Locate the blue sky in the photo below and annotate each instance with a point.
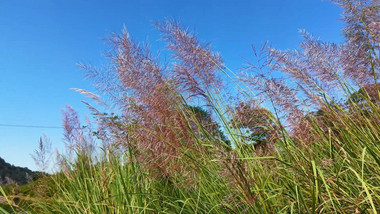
(42, 40)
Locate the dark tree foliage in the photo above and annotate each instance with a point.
(19, 175)
(204, 118)
(257, 122)
(367, 93)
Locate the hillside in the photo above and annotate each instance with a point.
(9, 173)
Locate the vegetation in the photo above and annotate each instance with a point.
(13, 174)
(291, 147)
(16, 181)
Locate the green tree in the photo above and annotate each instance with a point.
(255, 123)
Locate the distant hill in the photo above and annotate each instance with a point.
(10, 173)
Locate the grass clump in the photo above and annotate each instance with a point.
(282, 144)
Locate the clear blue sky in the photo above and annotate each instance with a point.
(42, 40)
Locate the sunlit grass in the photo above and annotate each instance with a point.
(297, 151)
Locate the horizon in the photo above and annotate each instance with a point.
(43, 41)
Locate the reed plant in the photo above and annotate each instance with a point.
(283, 143)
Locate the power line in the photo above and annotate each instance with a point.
(30, 126)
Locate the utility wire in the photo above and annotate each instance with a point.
(30, 126)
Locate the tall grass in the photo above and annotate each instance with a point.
(289, 147)
(338, 174)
